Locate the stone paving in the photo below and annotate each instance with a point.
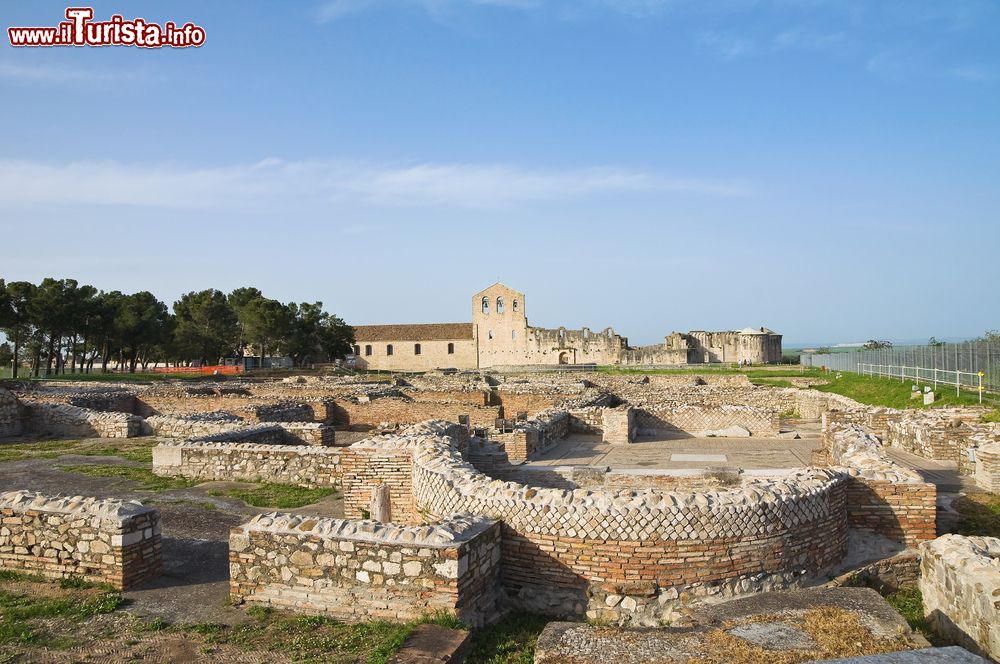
(679, 452)
(943, 474)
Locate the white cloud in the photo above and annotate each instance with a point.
(33, 73)
(279, 183)
(726, 46)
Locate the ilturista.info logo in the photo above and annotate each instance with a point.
(80, 29)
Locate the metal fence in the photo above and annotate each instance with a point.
(961, 362)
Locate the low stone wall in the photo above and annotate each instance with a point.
(528, 438)
(960, 583)
(195, 425)
(886, 575)
(364, 570)
(302, 465)
(988, 465)
(104, 541)
(882, 496)
(10, 414)
(64, 421)
(395, 410)
(284, 412)
(222, 427)
(694, 419)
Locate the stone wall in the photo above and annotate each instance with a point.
(882, 496)
(528, 438)
(65, 421)
(693, 419)
(988, 465)
(618, 425)
(363, 570)
(104, 541)
(626, 555)
(302, 465)
(10, 414)
(960, 583)
(407, 411)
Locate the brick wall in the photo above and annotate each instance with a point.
(105, 541)
(882, 496)
(368, 571)
(624, 556)
(365, 468)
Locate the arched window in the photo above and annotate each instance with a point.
(513, 306)
(388, 349)
(513, 335)
(357, 350)
(490, 334)
(451, 349)
(416, 349)
(368, 350)
(499, 305)
(486, 305)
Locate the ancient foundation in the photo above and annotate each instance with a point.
(104, 541)
(363, 570)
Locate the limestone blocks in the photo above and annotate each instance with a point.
(960, 583)
(108, 541)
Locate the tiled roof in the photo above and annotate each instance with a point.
(416, 332)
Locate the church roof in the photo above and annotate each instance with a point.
(750, 330)
(413, 332)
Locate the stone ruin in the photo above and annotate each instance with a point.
(445, 516)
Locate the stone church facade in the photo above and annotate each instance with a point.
(500, 336)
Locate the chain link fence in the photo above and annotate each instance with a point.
(968, 359)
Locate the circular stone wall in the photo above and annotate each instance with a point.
(631, 555)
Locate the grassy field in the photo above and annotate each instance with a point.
(980, 514)
(282, 496)
(132, 449)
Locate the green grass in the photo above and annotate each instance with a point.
(771, 371)
(134, 450)
(283, 496)
(771, 382)
(316, 638)
(99, 377)
(21, 613)
(144, 477)
(980, 514)
(877, 391)
(510, 641)
(909, 603)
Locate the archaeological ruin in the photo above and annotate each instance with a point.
(499, 337)
(620, 499)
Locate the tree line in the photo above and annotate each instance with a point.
(60, 326)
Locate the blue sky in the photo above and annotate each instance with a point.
(828, 168)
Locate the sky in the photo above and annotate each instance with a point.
(827, 168)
